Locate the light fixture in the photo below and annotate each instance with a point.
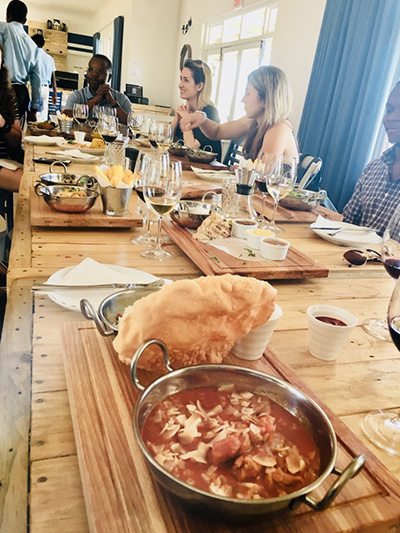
(187, 26)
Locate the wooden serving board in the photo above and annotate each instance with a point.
(43, 215)
(213, 261)
(290, 215)
(120, 493)
(187, 164)
(196, 189)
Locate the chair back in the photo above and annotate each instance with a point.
(309, 173)
(234, 153)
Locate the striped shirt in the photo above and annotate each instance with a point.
(375, 196)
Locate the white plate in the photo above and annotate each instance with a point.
(348, 238)
(211, 175)
(43, 140)
(84, 149)
(70, 299)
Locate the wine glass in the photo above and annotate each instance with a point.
(162, 191)
(108, 129)
(382, 427)
(272, 166)
(390, 255)
(80, 113)
(134, 122)
(279, 185)
(141, 166)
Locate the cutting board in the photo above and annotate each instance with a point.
(290, 215)
(213, 261)
(120, 493)
(43, 215)
(196, 189)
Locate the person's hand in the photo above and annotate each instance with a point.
(104, 92)
(2, 121)
(182, 111)
(191, 121)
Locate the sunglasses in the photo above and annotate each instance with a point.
(361, 257)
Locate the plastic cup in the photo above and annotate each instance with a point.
(79, 136)
(326, 340)
(252, 346)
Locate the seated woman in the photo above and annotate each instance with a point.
(195, 88)
(266, 126)
(10, 130)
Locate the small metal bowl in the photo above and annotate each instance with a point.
(303, 200)
(64, 178)
(201, 156)
(65, 126)
(112, 308)
(51, 195)
(178, 149)
(190, 214)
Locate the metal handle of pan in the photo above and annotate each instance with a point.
(138, 353)
(58, 163)
(41, 189)
(90, 314)
(351, 470)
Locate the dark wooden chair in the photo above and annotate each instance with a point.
(7, 208)
(234, 153)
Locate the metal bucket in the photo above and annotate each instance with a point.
(115, 200)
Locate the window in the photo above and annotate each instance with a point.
(234, 46)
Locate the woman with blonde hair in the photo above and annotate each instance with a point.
(266, 126)
(195, 87)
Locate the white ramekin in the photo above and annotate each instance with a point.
(274, 252)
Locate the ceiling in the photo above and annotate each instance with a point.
(71, 6)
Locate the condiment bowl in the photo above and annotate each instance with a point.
(190, 214)
(201, 156)
(274, 249)
(53, 199)
(303, 200)
(285, 394)
(240, 226)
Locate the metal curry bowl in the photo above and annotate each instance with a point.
(53, 196)
(64, 178)
(285, 394)
(201, 156)
(191, 214)
(178, 149)
(112, 308)
(303, 200)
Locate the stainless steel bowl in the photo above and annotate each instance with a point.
(113, 307)
(190, 214)
(64, 178)
(178, 149)
(51, 195)
(285, 394)
(201, 156)
(303, 200)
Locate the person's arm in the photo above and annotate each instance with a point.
(104, 92)
(54, 87)
(37, 103)
(189, 140)
(12, 134)
(10, 179)
(212, 130)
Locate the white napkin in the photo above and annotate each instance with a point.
(43, 138)
(238, 248)
(323, 223)
(90, 272)
(11, 165)
(74, 154)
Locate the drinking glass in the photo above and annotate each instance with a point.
(142, 163)
(162, 191)
(279, 185)
(390, 255)
(271, 167)
(382, 427)
(108, 129)
(80, 113)
(134, 122)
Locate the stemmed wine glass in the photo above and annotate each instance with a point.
(162, 191)
(272, 166)
(80, 113)
(141, 166)
(390, 255)
(134, 122)
(108, 128)
(279, 185)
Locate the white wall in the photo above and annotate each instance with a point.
(149, 45)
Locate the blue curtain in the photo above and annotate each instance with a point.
(357, 52)
(117, 53)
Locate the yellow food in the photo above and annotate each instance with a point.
(115, 175)
(100, 173)
(97, 144)
(262, 232)
(199, 320)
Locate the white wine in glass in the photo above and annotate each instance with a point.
(279, 185)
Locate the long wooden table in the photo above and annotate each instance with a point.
(40, 482)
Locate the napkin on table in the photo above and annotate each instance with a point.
(323, 223)
(74, 154)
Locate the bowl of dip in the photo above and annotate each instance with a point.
(241, 225)
(254, 237)
(273, 248)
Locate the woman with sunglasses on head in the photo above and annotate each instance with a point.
(10, 131)
(266, 126)
(195, 87)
